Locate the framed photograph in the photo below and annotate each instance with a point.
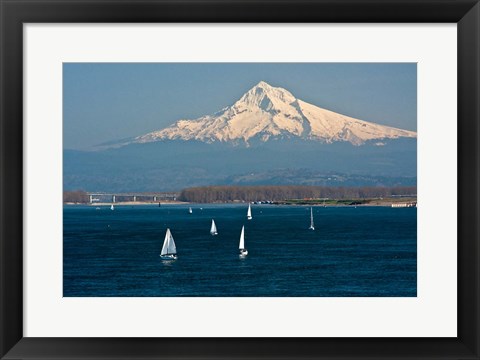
(237, 179)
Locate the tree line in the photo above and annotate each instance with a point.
(77, 196)
(207, 194)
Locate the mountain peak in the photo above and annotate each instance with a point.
(263, 85)
(265, 97)
(266, 112)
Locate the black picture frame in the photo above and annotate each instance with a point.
(14, 13)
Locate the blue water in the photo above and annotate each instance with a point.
(362, 251)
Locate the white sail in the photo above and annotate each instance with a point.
(312, 227)
(165, 243)
(242, 239)
(112, 208)
(190, 210)
(249, 212)
(213, 229)
(168, 244)
(172, 249)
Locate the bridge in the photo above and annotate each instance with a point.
(135, 197)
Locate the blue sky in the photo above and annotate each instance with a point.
(109, 101)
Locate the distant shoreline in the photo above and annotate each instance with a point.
(128, 203)
(401, 202)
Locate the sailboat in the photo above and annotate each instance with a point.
(312, 227)
(213, 229)
(241, 245)
(111, 207)
(190, 210)
(169, 251)
(249, 212)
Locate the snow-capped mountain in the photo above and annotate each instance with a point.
(235, 146)
(266, 112)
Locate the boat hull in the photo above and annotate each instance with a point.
(243, 253)
(168, 257)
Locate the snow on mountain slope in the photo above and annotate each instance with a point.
(266, 112)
